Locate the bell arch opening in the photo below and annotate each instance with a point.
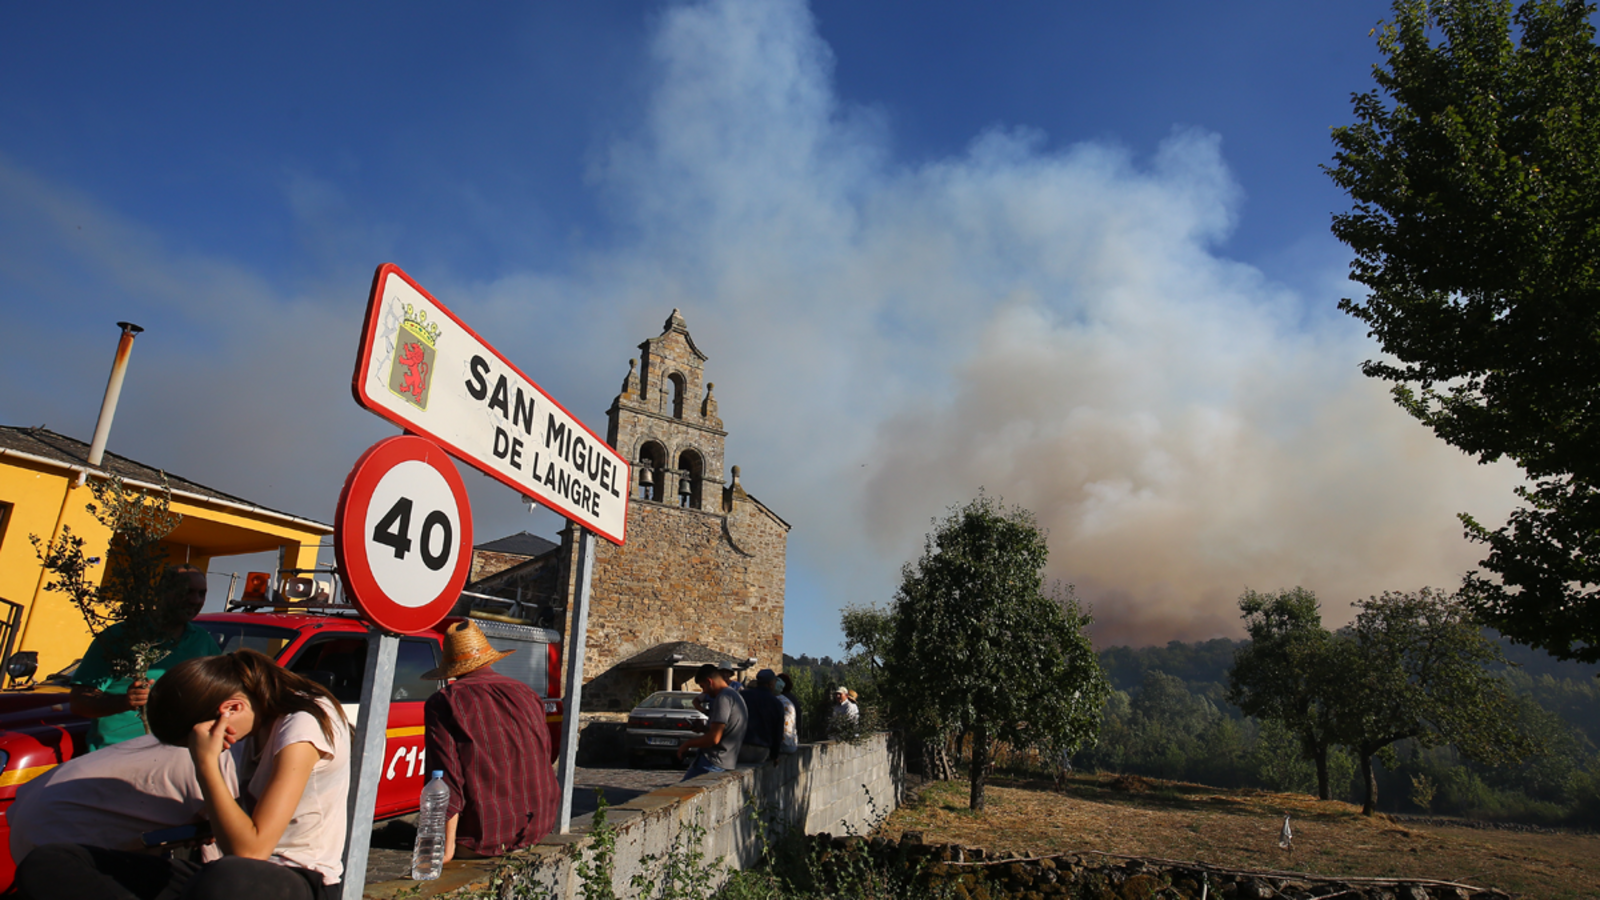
(691, 477)
(652, 466)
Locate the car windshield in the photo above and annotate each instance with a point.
(266, 639)
(665, 700)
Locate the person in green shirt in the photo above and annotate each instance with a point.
(113, 703)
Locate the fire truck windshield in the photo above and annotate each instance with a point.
(233, 636)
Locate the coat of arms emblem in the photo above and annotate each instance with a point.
(412, 371)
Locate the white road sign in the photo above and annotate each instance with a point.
(423, 369)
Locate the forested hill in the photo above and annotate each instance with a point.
(1207, 662)
(1170, 717)
(1538, 664)
(1198, 665)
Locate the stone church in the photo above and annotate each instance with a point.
(701, 577)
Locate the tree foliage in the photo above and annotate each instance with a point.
(1287, 672)
(1209, 740)
(135, 583)
(1201, 663)
(868, 631)
(978, 645)
(1475, 171)
(1415, 666)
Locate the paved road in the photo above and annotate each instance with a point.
(390, 857)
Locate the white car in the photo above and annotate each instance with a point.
(658, 725)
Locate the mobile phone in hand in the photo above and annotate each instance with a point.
(178, 836)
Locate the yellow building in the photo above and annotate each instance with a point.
(43, 489)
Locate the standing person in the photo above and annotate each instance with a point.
(288, 846)
(487, 733)
(764, 732)
(791, 715)
(113, 704)
(844, 715)
(725, 730)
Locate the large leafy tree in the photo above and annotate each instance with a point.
(1475, 171)
(978, 645)
(1415, 665)
(1285, 674)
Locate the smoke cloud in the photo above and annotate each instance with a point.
(1051, 324)
(1054, 324)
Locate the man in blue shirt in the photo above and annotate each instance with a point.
(764, 733)
(113, 703)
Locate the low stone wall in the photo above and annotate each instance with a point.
(827, 787)
(973, 874)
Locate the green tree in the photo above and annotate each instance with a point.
(135, 586)
(1277, 761)
(978, 645)
(1415, 666)
(867, 633)
(1475, 171)
(1285, 673)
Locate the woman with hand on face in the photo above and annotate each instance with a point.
(291, 842)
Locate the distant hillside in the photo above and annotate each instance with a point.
(1537, 663)
(1208, 662)
(1198, 664)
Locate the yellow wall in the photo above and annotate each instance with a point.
(41, 495)
(36, 495)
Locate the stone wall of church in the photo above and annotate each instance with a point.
(684, 575)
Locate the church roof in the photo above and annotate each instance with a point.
(769, 511)
(520, 544)
(687, 653)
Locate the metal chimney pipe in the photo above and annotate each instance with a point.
(108, 406)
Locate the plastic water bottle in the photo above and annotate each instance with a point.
(427, 859)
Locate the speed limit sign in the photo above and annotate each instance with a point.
(404, 539)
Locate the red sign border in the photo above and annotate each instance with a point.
(350, 522)
(369, 328)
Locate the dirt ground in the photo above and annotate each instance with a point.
(1240, 829)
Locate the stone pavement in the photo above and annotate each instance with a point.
(390, 858)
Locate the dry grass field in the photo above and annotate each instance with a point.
(1239, 829)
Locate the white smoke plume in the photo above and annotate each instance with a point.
(1055, 324)
(1052, 324)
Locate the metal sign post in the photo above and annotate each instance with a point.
(578, 617)
(368, 746)
(404, 544)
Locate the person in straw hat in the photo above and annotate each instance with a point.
(487, 733)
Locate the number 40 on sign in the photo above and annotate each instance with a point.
(405, 533)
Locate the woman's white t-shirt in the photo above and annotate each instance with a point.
(791, 734)
(314, 837)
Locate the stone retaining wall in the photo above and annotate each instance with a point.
(827, 787)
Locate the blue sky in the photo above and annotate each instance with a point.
(1074, 254)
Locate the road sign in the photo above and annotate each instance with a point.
(423, 369)
(404, 534)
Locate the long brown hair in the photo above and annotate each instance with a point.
(190, 692)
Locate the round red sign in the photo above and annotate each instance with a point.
(404, 534)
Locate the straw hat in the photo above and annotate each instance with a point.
(465, 649)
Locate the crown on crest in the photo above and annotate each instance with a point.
(416, 322)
